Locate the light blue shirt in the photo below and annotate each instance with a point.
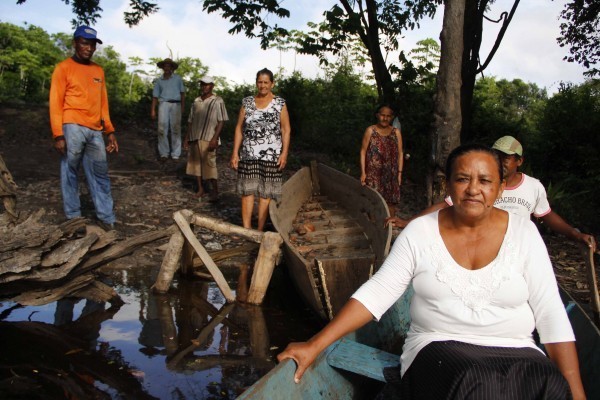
(168, 89)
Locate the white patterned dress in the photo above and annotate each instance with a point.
(262, 144)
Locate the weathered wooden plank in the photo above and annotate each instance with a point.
(340, 277)
(331, 223)
(70, 253)
(104, 239)
(184, 226)
(341, 245)
(123, 248)
(14, 263)
(322, 214)
(263, 267)
(170, 263)
(332, 231)
(8, 190)
(361, 359)
(44, 296)
(224, 228)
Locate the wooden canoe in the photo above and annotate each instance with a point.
(333, 234)
(352, 368)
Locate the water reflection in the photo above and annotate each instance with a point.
(186, 344)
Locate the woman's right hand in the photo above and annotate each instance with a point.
(363, 179)
(304, 354)
(234, 161)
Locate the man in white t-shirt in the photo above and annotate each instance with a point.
(523, 195)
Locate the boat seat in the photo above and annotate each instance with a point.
(361, 359)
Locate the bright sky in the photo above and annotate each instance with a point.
(529, 50)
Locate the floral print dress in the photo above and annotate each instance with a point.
(382, 165)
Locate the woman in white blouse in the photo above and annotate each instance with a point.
(483, 282)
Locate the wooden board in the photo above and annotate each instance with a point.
(361, 359)
(340, 277)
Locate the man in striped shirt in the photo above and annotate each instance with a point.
(206, 120)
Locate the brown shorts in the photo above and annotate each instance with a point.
(201, 162)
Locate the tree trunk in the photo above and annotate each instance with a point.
(473, 32)
(445, 132)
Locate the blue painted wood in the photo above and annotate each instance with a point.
(361, 359)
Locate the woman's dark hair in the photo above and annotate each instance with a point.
(385, 105)
(470, 148)
(265, 71)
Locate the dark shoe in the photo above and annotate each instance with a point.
(106, 226)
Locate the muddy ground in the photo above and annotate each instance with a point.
(147, 192)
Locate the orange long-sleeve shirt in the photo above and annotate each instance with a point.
(78, 96)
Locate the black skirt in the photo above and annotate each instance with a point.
(456, 370)
(260, 178)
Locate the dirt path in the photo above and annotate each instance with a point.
(146, 192)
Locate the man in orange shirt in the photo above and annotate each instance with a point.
(79, 116)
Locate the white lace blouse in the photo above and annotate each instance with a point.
(497, 305)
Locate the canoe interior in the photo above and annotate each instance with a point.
(333, 234)
(324, 381)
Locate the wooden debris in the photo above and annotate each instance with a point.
(45, 296)
(180, 251)
(263, 267)
(170, 263)
(226, 228)
(41, 262)
(184, 225)
(8, 190)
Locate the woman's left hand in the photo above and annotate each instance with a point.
(400, 178)
(282, 162)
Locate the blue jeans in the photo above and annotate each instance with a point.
(85, 146)
(169, 117)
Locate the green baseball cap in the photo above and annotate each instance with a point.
(508, 145)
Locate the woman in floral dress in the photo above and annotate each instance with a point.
(260, 148)
(381, 158)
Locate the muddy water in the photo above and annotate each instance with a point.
(187, 344)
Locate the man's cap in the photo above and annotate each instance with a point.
(86, 32)
(207, 79)
(508, 145)
(162, 63)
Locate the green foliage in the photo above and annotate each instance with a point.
(580, 33)
(88, 11)
(502, 107)
(27, 58)
(565, 152)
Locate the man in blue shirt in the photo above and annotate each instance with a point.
(169, 94)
